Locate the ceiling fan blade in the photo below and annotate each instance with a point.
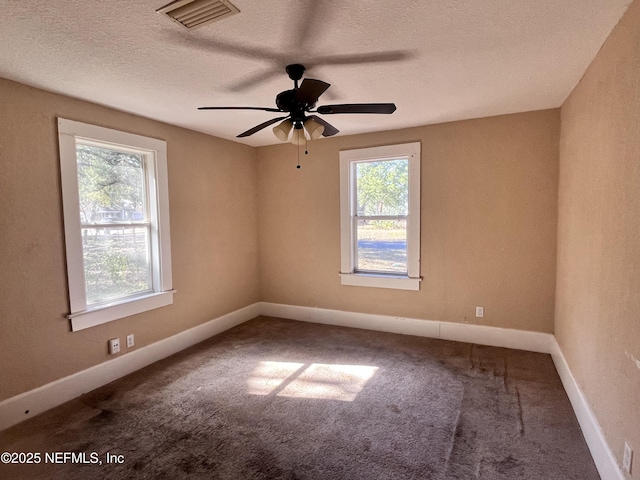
(310, 91)
(361, 58)
(264, 109)
(217, 45)
(329, 129)
(312, 18)
(358, 108)
(261, 77)
(257, 128)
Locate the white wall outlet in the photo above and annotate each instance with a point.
(479, 311)
(114, 346)
(130, 341)
(627, 458)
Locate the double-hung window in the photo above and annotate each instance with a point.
(380, 216)
(116, 216)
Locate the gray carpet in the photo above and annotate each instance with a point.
(279, 399)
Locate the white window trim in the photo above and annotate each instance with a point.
(156, 151)
(348, 276)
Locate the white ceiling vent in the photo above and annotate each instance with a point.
(198, 13)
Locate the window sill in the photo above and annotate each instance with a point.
(380, 281)
(107, 313)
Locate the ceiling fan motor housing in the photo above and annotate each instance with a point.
(286, 101)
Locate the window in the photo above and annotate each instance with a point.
(380, 216)
(116, 219)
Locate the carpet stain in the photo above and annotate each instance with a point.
(520, 418)
(366, 445)
(105, 415)
(506, 465)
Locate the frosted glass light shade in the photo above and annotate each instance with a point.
(298, 137)
(282, 130)
(313, 128)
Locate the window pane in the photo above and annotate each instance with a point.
(112, 189)
(382, 246)
(116, 262)
(111, 185)
(382, 187)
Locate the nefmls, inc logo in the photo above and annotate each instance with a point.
(72, 457)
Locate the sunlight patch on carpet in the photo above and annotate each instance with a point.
(315, 380)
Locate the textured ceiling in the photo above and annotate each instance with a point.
(437, 60)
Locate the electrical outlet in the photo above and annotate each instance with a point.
(130, 341)
(479, 311)
(114, 346)
(627, 458)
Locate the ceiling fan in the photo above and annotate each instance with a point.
(298, 103)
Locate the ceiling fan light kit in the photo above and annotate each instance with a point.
(298, 137)
(283, 130)
(298, 103)
(313, 128)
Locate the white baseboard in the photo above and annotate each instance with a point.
(12, 410)
(38, 400)
(367, 321)
(459, 332)
(602, 455)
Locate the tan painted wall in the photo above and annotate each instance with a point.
(212, 199)
(598, 282)
(489, 215)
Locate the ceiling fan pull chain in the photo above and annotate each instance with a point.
(298, 148)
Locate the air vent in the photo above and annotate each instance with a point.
(198, 13)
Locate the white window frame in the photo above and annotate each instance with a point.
(348, 210)
(154, 152)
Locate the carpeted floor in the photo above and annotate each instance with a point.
(279, 399)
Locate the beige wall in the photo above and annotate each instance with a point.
(488, 230)
(212, 195)
(598, 283)
(489, 215)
